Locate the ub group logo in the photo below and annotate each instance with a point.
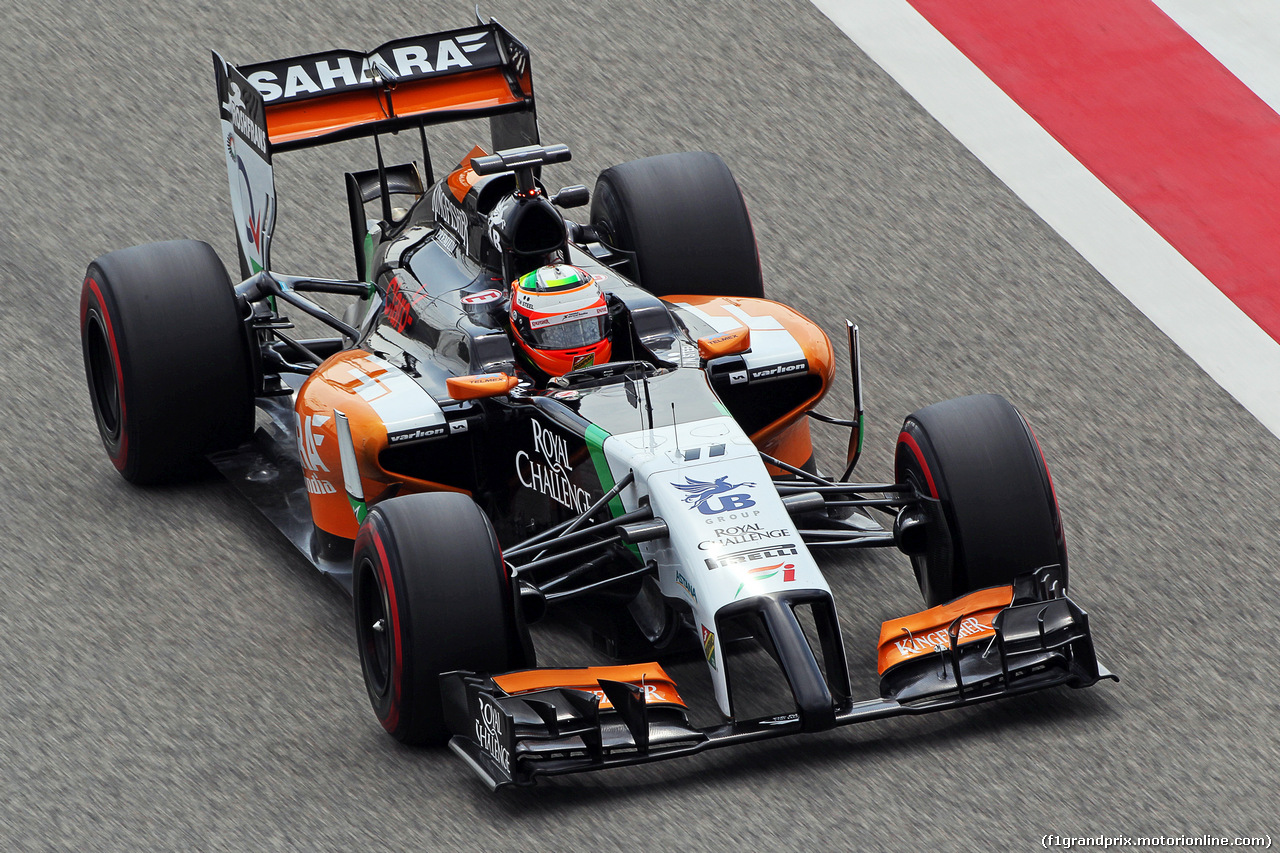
(714, 498)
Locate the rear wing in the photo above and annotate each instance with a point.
(475, 72)
(303, 101)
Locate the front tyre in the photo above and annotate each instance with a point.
(431, 595)
(166, 358)
(991, 510)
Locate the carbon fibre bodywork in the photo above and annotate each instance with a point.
(667, 501)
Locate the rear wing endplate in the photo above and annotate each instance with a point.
(247, 153)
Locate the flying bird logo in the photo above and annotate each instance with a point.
(710, 498)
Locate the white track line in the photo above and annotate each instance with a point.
(1137, 261)
(1244, 35)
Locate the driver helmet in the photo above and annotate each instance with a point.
(560, 319)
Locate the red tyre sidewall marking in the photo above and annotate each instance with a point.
(1045, 465)
(906, 439)
(119, 458)
(1057, 510)
(384, 570)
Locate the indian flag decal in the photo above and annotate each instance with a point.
(764, 573)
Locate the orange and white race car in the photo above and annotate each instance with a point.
(519, 413)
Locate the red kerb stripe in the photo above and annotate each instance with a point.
(1153, 115)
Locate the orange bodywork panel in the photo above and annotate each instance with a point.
(922, 633)
(725, 343)
(461, 178)
(792, 444)
(787, 438)
(659, 688)
(344, 383)
(317, 117)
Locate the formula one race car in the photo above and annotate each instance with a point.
(522, 415)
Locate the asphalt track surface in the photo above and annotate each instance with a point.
(173, 676)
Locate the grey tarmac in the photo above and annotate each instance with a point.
(174, 677)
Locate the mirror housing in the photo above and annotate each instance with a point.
(726, 343)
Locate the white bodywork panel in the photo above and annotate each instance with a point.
(771, 343)
(730, 537)
(404, 406)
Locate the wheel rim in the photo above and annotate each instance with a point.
(104, 384)
(374, 628)
(919, 562)
(922, 565)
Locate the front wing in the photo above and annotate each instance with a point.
(513, 739)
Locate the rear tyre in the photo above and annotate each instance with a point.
(165, 357)
(431, 595)
(684, 218)
(992, 514)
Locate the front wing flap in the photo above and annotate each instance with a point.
(510, 739)
(1034, 644)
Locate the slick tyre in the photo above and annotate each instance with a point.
(166, 359)
(431, 595)
(989, 502)
(684, 219)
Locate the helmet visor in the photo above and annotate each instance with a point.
(583, 332)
